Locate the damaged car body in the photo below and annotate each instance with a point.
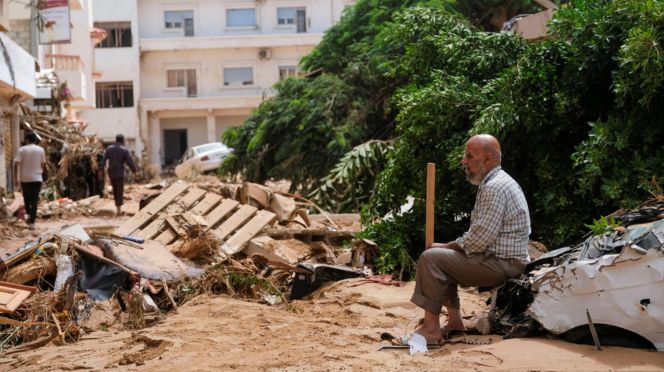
(612, 284)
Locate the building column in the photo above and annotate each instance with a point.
(154, 145)
(5, 150)
(143, 133)
(15, 133)
(211, 127)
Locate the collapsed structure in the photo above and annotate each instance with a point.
(185, 241)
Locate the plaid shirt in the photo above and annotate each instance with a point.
(499, 222)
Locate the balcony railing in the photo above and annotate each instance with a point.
(64, 62)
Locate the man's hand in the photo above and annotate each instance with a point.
(437, 245)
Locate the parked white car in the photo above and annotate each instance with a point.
(202, 158)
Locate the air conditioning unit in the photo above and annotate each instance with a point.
(264, 54)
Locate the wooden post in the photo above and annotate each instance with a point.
(430, 202)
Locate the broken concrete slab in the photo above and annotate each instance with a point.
(255, 194)
(289, 251)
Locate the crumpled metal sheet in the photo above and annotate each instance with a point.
(625, 290)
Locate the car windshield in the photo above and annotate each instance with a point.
(210, 147)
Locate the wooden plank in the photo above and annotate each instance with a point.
(193, 220)
(237, 242)
(430, 204)
(176, 227)
(195, 194)
(150, 230)
(283, 233)
(210, 200)
(166, 237)
(234, 221)
(145, 215)
(221, 211)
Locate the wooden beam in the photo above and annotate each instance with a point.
(430, 204)
(195, 194)
(237, 242)
(150, 230)
(210, 200)
(234, 221)
(221, 211)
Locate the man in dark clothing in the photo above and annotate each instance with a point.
(117, 156)
(29, 167)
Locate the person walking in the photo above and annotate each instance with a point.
(29, 166)
(117, 156)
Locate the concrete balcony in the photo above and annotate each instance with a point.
(70, 69)
(229, 102)
(229, 41)
(20, 79)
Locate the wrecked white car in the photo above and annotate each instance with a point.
(612, 286)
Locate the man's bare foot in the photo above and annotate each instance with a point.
(430, 334)
(449, 329)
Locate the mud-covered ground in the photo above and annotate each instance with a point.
(336, 328)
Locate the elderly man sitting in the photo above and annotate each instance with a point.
(494, 248)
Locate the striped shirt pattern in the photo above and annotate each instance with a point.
(500, 221)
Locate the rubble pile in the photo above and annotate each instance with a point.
(72, 158)
(242, 241)
(604, 291)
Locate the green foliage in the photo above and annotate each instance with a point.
(302, 132)
(350, 183)
(296, 135)
(575, 114)
(398, 244)
(491, 14)
(603, 226)
(579, 116)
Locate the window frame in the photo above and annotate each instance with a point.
(297, 72)
(117, 33)
(104, 88)
(292, 26)
(242, 85)
(184, 68)
(232, 7)
(178, 30)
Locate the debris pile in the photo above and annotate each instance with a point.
(185, 242)
(606, 290)
(72, 159)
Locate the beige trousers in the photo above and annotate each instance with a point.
(439, 270)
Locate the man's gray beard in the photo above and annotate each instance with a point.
(477, 178)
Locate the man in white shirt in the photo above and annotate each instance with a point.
(29, 166)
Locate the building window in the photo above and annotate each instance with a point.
(293, 16)
(245, 17)
(115, 94)
(118, 34)
(234, 76)
(182, 79)
(286, 72)
(180, 20)
(285, 16)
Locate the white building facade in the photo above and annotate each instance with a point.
(17, 84)
(182, 71)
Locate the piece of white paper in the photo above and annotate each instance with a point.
(417, 343)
